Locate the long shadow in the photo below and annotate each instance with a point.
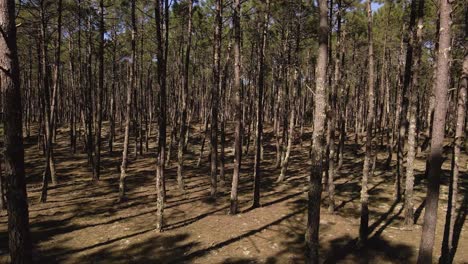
(192, 220)
(376, 250)
(151, 250)
(110, 241)
(339, 251)
(418, 211)
(459, 222)
(354, 189)
(279, 200)
(203, 252)
(387, 223)
(383, 217)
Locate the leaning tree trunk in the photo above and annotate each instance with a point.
(438, 133)
(17, 201)
(315, 184)
(130, 89)
(48, 101)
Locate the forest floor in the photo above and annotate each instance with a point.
(82, 222)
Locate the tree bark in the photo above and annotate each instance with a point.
(403, 122)
(162, 18)
(130, 89)
(100, 93)
(49, 105)
(214, 100)
(261, 86)
(185, 92)
(447, 244)
(237, 107)
(19, 238)
(438, 133)
(364, 223)
(315, 185)
(416, 43)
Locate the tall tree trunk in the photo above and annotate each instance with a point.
(403, 122)
(55, 90)
(89, 115)
(130, 89)
(19, 239)
(416, 43)
(48, 103)
(237, 106)
(364, 224)
(214, 100)
(100, 93)
(315, 184)
(223, 116)
(113, 92)
(438, 133)
(332, 114)
(161, 16)
(185, 91)
(447, 244)
(261, 84)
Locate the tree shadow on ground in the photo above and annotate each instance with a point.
(376, 250)
(156, 249)
(205, 251)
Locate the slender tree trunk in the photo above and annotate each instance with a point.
(214, 100)
(130, 89)
(55, 91)
(237, 106)
(112, 99)
(315, 185)
(261, 84)
(416, 42)
(183, 121)
(223, 116)
(89, 97)
(364, 224)
(19, 238)
(100, 93)
(403, 122)
(161, 16)
(48, 103)
(438, 133)
(448, 244)
(333, 109)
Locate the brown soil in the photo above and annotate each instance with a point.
(83, 223)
